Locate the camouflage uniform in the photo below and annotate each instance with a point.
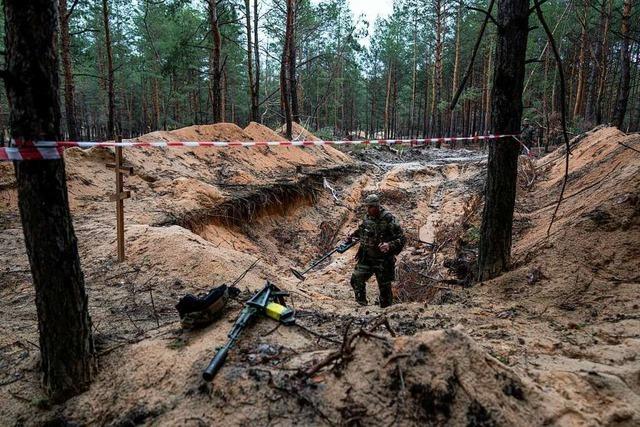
(372, 232)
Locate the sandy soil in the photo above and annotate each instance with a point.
(552, 342)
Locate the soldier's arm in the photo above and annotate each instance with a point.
(398, 239)
(356, 234)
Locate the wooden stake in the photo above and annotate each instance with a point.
(119, 198)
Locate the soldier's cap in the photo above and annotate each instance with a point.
(372, 200)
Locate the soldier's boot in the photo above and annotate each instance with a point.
(386, 295)
(359, 289)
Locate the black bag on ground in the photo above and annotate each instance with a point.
(200, 311)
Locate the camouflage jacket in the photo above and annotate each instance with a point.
(373, 231)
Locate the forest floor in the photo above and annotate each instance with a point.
(555, 341)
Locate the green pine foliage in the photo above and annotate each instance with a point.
(356, 79)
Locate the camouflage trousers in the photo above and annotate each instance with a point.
(384, 270)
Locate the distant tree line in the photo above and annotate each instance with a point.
(134, 67)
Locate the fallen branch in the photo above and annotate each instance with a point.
(316, 334)
(348, 344)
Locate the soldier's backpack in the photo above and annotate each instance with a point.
(202, 310)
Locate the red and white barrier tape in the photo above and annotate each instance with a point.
(47, 150)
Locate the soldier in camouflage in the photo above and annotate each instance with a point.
(381, 239)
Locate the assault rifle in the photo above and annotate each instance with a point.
(270, 302)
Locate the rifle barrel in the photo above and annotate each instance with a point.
(216, 363)
(221, 355)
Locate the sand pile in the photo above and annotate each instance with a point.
(182, 181)
(582, 281)
(260, 132)
(233, 165)
(597, 230)
(299, 133)
(595, 238)
(434, 378)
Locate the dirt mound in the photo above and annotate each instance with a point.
(437, 378)
(600, 213)
(260, 132)
(581, 281)
(217, 132)
(299, 133)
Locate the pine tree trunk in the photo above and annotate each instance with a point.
(387, 103)
(438, 75)
(256, 52)
(604, 69)
(293, 81)
(545, 103)
(596, 66)
(214, 65)
(372, 94)
(285, 78)
(253, 98)
(500, 191)
(224, 90)
(456, 67)
(66, 344)
(156, 104)
(622, 96)
(69, 87)
(489, 77)
(111, 131)
(413, 77)
(578, 109)
(427, 115)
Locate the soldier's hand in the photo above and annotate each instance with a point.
(384, 247)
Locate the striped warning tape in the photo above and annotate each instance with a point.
(47, 150)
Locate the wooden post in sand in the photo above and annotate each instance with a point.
(119, 197)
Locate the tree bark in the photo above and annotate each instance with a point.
(256, 52)
(622, 96)
(578, 109)
(414, 74)
(425, 117)
(437, 75)
(69, 87)
(214, 64)
(110, 75)
(31, 81)
(387, 101)
(293, 81)
(604, 69)
(285, 78)
(253, 96)
(500, 190)
(597, 65)
(456, 67)
(489, 77)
